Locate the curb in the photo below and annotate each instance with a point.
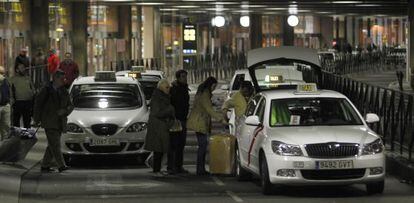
(400, 167)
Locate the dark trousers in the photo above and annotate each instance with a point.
(157, 159)
(176, 151)
(202, 140)
(22, 109)
(53, 151)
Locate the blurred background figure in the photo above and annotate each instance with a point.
(4, 104)
(70, 68)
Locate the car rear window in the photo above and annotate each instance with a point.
(106, 96)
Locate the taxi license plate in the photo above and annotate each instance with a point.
(104, 142)
(342, 164)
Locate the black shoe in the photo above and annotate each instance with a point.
(63, 168)
(171, 172)
(46, 169)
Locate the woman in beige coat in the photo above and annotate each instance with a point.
(200, 120)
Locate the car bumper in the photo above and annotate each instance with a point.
(369, 168)
(81, 144)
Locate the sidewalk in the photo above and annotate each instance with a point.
(11, 173)
(396, 164)
(387, 79)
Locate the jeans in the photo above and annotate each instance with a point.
(176, 151)
(202, 140)
(157, 159)
(4, 121)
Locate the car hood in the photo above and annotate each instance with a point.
(322, 134)
(122, 118)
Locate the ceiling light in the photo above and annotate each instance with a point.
(245, 21)
(168, 9)
(59, 28)
(217, 9)
(223, 3)
(218, 21)
(276, 9)
(252, 6)
(367, 5)
(293, 20)
(346, 2)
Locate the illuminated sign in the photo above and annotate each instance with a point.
(189, 39)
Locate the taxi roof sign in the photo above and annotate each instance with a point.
(134, 74)
(105, 76)
(274, 78)
(307, 88)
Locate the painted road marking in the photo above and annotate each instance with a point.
(234, 196)
(217, 181)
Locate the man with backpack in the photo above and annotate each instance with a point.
(4, 104)
(52, 106)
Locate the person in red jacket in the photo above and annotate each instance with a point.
(52, 62)
(70, 68)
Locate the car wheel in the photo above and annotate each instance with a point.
(375, 188)
(267, 186)
(241, 173)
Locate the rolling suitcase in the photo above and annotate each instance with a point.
(222, 154)
(19, 143)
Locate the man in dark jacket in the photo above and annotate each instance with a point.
(22, 59)
(180, 100)
(52, 106)
(4, 104)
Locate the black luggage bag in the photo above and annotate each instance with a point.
(18, 145)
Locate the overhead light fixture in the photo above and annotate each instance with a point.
(245, 21)
(218, 21)
(276, 9)
(59, 28)
(293, 20)
(149, 4)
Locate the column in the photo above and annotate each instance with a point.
(369, 28)
(256, 33)
(139, 31)
(288, 33)
(39, 25)
(410, 49)
(337, 29)
(124, 34)
(327, 24)
(80, 35)
(354, 33)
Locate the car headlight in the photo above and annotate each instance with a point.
(73, 128)
(373, 147)
(284, 149)
(137, 127)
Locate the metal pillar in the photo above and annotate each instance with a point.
(125, 33)
(288, 33)
(39, 23)
(410, 54)
(256, 33)
(80, 35)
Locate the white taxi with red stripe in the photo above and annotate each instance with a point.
(304, 136)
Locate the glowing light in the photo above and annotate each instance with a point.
(293, 20)
(245, 21)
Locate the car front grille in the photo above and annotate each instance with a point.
(332, 150)
(104, 129)
(104, 149)
(333, 174)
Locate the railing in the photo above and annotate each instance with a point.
(355, 63)
(395, 108)
(148, 63)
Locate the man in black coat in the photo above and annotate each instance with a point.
(22, 59)
(180, 100)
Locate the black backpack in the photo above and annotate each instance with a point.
(4, 93)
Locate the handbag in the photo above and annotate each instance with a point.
(176, 127)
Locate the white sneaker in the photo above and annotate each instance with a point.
(158, 175)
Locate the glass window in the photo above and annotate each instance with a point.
(238, 81)
(106, 96)
(261, 109)
(312, 112)
(252, 105)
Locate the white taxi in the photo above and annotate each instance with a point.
(110, 117)
(305, 136)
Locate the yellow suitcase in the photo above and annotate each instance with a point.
(222, 154)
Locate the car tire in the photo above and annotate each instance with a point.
(241, 173)
(267, 186)
(375, 188)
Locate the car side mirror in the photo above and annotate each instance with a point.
(253, 121)
(372, 118)
(224, 87)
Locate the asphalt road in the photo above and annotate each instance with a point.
(129, 180)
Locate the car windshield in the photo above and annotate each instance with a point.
(148, 83)
(105, 96)
(312, 112)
